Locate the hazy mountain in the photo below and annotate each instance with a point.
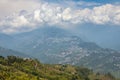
(107, 37)
(6, 40)
(55, 45)
(8, 52)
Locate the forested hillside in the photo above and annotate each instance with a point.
(16, 68)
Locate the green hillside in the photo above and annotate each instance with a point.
(16, 68)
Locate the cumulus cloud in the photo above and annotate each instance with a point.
(28, 18)
(14, 6)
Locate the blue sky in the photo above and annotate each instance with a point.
(100, 1)
(97, 1)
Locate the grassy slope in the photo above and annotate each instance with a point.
(16, 68)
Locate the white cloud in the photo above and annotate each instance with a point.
(116, 19)
(66, 15)
(29, 17)
(14, 6)
(37, 16)
(19, 21)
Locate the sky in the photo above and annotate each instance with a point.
(101, 1)
(96, 1)
(25, 15)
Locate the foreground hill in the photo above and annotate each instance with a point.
(16, 68)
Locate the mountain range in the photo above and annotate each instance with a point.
(8, 52)
(59, 46)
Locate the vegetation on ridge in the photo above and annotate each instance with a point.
(16, 68)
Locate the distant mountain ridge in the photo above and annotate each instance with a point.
(5, 40)
(55, 45)
(9, 52)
